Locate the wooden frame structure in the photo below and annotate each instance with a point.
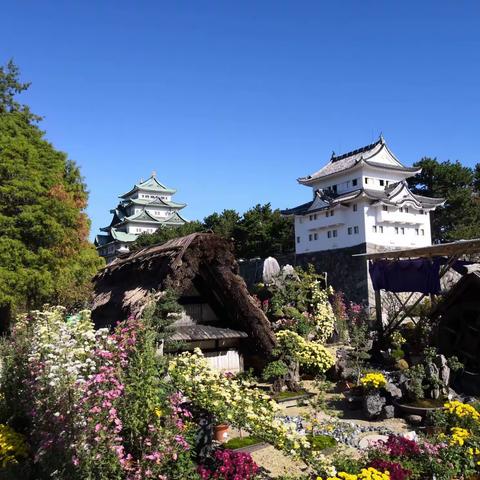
(450, 251)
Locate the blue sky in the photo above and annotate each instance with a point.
(231, 101)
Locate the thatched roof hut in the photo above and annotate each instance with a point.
(202, 269)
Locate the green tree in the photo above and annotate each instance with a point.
(458, 184)
(223, 224)
(44, 252)
(163, 234)
(263, 232)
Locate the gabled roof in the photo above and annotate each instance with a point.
(376, 154)
(141, 217)
(155, 201)
(392, 195)
(151, 184)
(175, 219)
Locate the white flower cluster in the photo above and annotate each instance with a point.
(63, 347)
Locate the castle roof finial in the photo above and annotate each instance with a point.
(154, 173)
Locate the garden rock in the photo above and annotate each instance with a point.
(443, 371)
(388, 411)
(393, 391)
(414, 419)
(373, 404)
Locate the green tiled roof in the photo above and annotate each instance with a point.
(151, 184)
(142, 216)
(175, 219)
(123, 236)
(155, 201)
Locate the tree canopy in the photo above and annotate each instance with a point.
(259, 232)
(45, 256)
(459, 185)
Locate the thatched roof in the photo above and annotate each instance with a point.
(201, 260)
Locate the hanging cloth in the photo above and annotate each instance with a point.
(419, 275)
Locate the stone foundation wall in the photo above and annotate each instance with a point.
(344, 272)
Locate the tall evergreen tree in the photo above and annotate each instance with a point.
(45, 255)
(458, 184)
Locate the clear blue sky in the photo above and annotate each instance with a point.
(231, 101)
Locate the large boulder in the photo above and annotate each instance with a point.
(373, 404)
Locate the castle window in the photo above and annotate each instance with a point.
(403, 231)
(298, 239)
(349, 230)
(354, 182)
(401, 209)
(417, 231)
(374, 228)
(355, 229)
(406, 209)
(422, 231)
(315, 236)
(315, 217)
(334, 188)
(334, 233)
(421, 212)
(396, 230)
(355, 207)
(382, 183)
(381, 229)
(309, 237)
(385, 208)
(329, 234)
(366, 180)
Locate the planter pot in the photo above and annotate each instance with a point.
(412, 410)
(221, 432)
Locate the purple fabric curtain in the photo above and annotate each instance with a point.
(419, 275)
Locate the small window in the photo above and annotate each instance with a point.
(298, 239)
(310, 217)
(406, 209)
(315, 217)
(421, 212)
(396, 230)
(354, 182)
(401, 209)
(417, 231)
(315, 236)
(381, 229)
(355, 207)
(349, 230)
(329, 234)
(374, 228)
(382, 183)
(403, 231)
(422, 231)
(355, 229)
(386, 182)
(326, 213)
(385, 208)
(334, 188)
(366, 180)
(309, 237)
(334, 233)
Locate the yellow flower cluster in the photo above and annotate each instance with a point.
(12, 446)
(373, 380)
(234, 402)
(462, 409)
(459, 435)
(365, 474)
(310, 354)
(323, 315)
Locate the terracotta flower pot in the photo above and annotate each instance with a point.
(221, 432)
